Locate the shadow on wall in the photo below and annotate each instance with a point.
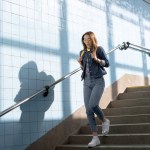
(33, 111)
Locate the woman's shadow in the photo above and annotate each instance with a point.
(33, 111)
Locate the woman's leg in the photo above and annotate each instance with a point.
(96, 95)
(91, 118)
(89, 111)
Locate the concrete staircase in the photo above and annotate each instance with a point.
(130, 124)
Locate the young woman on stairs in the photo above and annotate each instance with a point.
(93, 60)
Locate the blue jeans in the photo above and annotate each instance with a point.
(93, 90)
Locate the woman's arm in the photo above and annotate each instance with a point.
(102, 57)
(81, 58)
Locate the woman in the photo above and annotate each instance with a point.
(93, 60)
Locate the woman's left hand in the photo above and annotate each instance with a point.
(94, 56)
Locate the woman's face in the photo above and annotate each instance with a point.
(87, 41)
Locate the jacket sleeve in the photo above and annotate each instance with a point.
(102, 55)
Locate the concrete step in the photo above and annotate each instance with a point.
(104, 147)
(127, 119)
(127, 110)
(134, 95)
(119, 139)
(137, 88)
(130, 102)
(120, 129)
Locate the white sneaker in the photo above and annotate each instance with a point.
(105, 127)
(94, 142)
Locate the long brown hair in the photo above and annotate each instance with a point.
(93, 38)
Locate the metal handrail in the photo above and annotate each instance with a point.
(45, 89)
(138, 48)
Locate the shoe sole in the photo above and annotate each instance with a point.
(105, 134)
(93, 146)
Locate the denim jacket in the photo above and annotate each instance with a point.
(96, 70)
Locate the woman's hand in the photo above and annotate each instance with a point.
(95, 57)
(79, 60)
